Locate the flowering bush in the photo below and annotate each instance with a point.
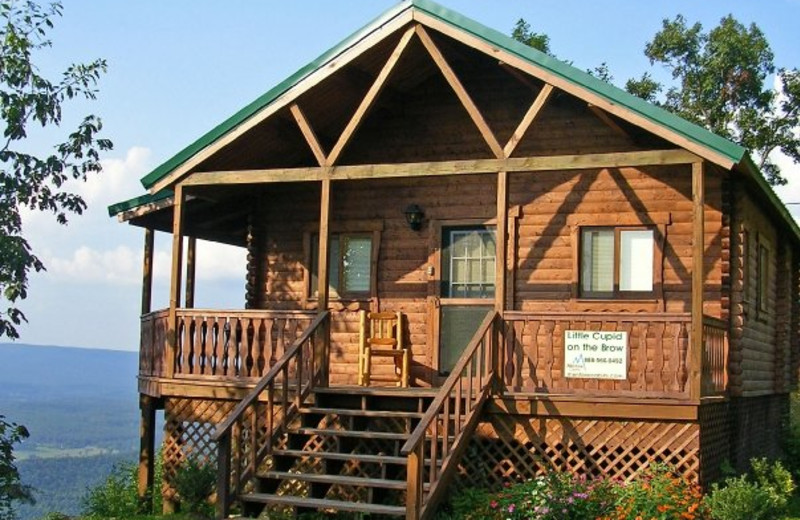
(659, 494)
(556, 496)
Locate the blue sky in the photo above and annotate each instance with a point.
(178, 68)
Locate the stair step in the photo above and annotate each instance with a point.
(359, 434)
(332, 455)
(336, 479)
(362, 413)
(321, 503)
(412, 392)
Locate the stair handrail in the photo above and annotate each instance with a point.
(224, 432)
(484, 358)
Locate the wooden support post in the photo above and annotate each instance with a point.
(147, 456)
(698, 250)
(321, 345)
(501, 270)
(414, 476)
(175, 280)
(191, 251)
(147, 271)
(224, 476)
(501, 242)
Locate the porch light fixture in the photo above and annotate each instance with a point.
(414, 217)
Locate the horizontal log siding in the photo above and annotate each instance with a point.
(403, 259)
(544, 261)
(761, 339)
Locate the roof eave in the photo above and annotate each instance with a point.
(749, 168)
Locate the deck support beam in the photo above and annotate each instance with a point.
(321, 345)
(147, 271)
(175, 279)
(147, 451)
(698, 271)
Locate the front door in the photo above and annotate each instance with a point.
(467, 290)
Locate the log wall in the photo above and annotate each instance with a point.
(545, 206)
(762, 339)
(552, 204)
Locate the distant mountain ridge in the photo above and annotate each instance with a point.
(80, 406)
(37, 371)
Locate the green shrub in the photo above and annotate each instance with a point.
(763, 496)
(55, 515)
(468, 504)
(791, 438)
(659, 494)
(117, 497)
(194, 483)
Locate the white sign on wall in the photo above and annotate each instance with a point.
(596, 354)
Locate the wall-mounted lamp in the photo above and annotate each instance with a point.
(414, 217)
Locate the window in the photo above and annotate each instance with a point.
(349, 267)
(746, 265)
(616, 262)
(762, 277)
(468, 263)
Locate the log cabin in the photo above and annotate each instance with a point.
(584, 281)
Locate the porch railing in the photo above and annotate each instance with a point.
(246, 436)
(714, 375)
(532, 358)
(219, 344)
(444, 431)
(153, 341)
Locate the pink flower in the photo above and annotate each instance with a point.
(511, 508)
(493, 504)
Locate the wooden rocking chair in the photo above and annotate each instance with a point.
(381, 335)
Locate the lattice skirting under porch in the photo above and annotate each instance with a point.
(510, 448)
(189, 424)
(753, 427)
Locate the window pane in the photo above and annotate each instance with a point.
(636, 260)
(468, 258)
(356, 263)
(333, 265)
(597, 260)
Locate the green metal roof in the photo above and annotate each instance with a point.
(135, 202)
(694, 133)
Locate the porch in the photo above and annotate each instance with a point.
(232, 350)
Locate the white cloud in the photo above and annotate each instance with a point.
(220, 262)
(120, 265)
(119, 179)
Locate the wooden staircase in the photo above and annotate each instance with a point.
(296, 444)
(342, 453)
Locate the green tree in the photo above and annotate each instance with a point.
(37, 182)
(11, 488)
(522, 33)
(720, 81)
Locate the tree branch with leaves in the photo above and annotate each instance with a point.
(37, 182)
(12, 490)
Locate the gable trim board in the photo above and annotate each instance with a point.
(530, 61)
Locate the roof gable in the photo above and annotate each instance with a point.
(490, 41)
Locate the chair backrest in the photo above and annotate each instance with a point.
(384, 328)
